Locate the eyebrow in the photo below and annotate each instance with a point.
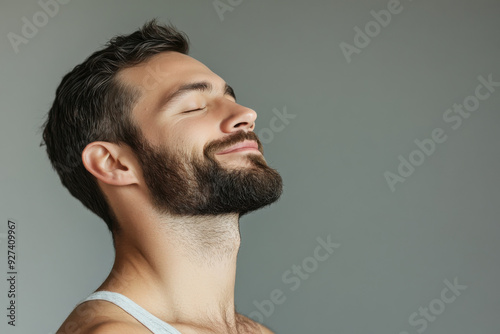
(200, 86)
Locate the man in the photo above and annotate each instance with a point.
(155, 144)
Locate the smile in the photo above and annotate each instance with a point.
(244, 146)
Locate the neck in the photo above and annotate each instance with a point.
(182, 270)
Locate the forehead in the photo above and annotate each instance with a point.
(162, 69)
(161, 74)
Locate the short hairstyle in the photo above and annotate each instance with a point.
(91, 104)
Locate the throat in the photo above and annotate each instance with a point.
(184, 271)
(208, 242)
(202, 277)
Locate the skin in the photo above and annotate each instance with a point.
(180, 275)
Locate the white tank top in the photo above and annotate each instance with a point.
(151, 322)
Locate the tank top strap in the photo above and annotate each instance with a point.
(154, 324)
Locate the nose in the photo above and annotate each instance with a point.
(237, 118)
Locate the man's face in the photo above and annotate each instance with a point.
(198, 151)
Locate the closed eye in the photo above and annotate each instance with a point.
(187, 111)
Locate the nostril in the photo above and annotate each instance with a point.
(241, 124)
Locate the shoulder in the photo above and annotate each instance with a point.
(100, 317)
(265, 330)
(103, 327)
(116, 327)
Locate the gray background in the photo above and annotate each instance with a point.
(353, 120)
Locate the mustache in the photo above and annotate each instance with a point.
(235, 138)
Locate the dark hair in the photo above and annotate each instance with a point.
(91, 104)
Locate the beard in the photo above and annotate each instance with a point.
(180, 184)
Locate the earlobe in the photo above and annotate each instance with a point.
(108, 163)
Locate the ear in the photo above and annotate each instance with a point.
(109, 163)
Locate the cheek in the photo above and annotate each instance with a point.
(188, 142)
(190, 134)
(198, 131)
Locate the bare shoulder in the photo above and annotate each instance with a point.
(116, 327)
(265, 330)
(100, 317)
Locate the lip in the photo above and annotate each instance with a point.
(245, 145)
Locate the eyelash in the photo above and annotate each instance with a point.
(187, 111)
